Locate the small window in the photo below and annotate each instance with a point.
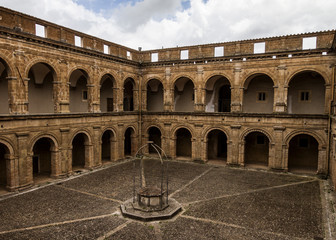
(39, 30)
(260, 140)
(309, 43)
(303, 142)
(259, 47)
(78, 41)
(154, 57)
(304, 96)
(219, 51)
(261, 97)
(84, 95)
(106, 49)
(184, 54)
(129, 55)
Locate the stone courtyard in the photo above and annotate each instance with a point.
(219, 202)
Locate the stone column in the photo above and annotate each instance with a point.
(97, 147)
(121, 141)
(93, 102)
(89, 162)
(136, 98)
(56, 170)
(62, 89)
(198, 93)
(237, 147)
(65, 152)
(168, 100)
(237, 91)
(113, 149)
(12, 172)
(280, 91)
(278, 162)
(12, 95)
(196, 144)
(144, 98)
(116, 107)
(327, 98)
(25, 160)
(21, 88)
(166, 141)
(322, 161)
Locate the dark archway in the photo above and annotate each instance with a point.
(129, 142)
(217, 145)
(106, 94)
(184, 95)
(79, 150)
(42, 158)
(256, 149)
(129, 95)
(40, 86)
(154, 96)
(3, 166)
(78, 91)
(224, 99)
(306, 93)
(183, 143)
(303, 154)
(4, 96)
(258, 94)
(107, 148)
(154, 134)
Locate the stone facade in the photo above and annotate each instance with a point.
(71, 107)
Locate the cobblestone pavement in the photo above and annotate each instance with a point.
(218, 202)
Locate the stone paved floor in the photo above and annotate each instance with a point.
(219, 202)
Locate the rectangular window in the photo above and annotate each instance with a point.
(219, 51)
(84, 95)
(303, 142)
(304, 96)
(184, 54)
(260, 139)
(261, 97)
(109, 104)
(259, 47)
(78, 41)
(40, 30)
(129, 55)
(106, 49)
(309, 43)
(154, 57)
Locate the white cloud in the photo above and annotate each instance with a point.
(155, 23)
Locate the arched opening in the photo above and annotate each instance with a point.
(40, 88)
(129, 95)
(218, 94)
(42, 159)
(306, 93)
(303, 154)
(184, 95)
(154, 96)
(78, 91)
(258, 94)
(3, 166)
(256, 149)
(4, 97)
(183, 143)
(107, 147)
(79, 151)
(106, 93)
(129, 142)
(217, 145)
(154, 134)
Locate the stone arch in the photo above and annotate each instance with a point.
(307, 69)
(213, 74)
(10, 66)
(5, 75)
(250, 130)
(44, 156)
(8, 171)
(184, 94)
(190, 129)
(217, 94)
(81, 150)
(79, 80)
(153, 78)
(108, 142)
(258, 93)
(182, 76)
(154, 95)
(130, 141)
(294, 133)
(250, 75)
(107, 93)
(207, 130)
(307, 93)
(46, 61)
(216, 144)
(51, 136)
(108, 72)
(82, 68)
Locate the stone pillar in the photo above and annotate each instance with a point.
(116, 96)
(65, 151)
(62, 89)
(166, 141)
(134, 144)
(136, 98)
(196, 144)
(173, 147)
(12, 95)
(25, 160)
(89, 162)
(21, 88)
(285, 157)
(144, 98)
(121, 141)
(198, 91)
(56, 170)
(12, 172)
(237, 91)
(237, 147)
(327, 98)
(97, 147)
(278, 162)
(168, 100)
(322, 161)
(114, 149)
(93, 102)
(280, 91)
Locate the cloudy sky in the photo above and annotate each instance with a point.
(155, 24)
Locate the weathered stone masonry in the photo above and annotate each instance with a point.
(66, 105)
